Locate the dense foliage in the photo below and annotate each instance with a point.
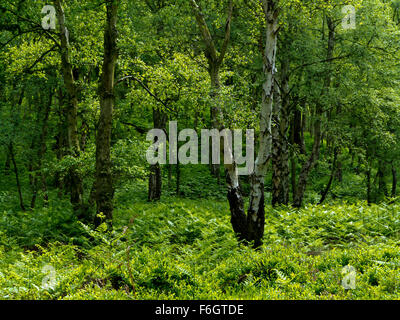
(84, 215)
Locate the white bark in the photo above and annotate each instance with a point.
(264, 153)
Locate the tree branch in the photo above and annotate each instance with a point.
(147, 90)
(321, 61)
(29, 70)
(33, 23)
(205, 32)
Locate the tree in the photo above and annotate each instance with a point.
(214, 61)
(75, 181)
(104, 182)
(250, 228)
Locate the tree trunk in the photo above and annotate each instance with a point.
(169, 166)
(236, 205)
(214, 110)
(104, 183)
(155, 183)
(307, 167)
(256, 211)
(37, 166)
(333, 170)
(249, 228)
(297, 124)
(339, 171)
(297, 130)
(394, 181)
(61, 143)
(7, 164)
(12, 155)
(280, 149)
(155, 176)
(382, 188)
(214, 64)
(368, 174)
(75, 181)
(311, 162)
(178, 178)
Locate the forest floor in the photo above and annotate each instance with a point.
(185, 249)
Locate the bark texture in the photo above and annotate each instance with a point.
(38, 176)
(394, 181)
(104, 182)
(12, 155)
(280, 147)
(256, 211)
(75, 180)
(155, 176)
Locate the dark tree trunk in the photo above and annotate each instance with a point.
(44, 190)
(104, 182)
(297, 130)
(382, 187)
(236, 205)
(155, 183)
(34, 101)
(293, 162)
(75, 181)
(296, 139)
(169, 175)
(34, 192)
(306, 169)
(293, 175)
(333, 170)
(38, 176)
(7, 164)
(178, 178)
(92, 194)
(12, 155)
(280, 149)
(155, 176)
(368, 175)
(339, 171)
(394, 182)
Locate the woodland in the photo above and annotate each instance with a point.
(84, 215)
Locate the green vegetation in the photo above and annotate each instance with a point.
(195, 256)
(84, 214)
(182, 248)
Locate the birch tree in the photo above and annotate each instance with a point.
(71, 110)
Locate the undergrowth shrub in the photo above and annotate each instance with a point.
(185, 249)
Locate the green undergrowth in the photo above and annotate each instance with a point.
(185, 249)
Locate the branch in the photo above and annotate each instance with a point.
(227, 33)
(145, 88)
(20, 33)
(137, 128)
(321, 61)
(33, 23)
(205, 32)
